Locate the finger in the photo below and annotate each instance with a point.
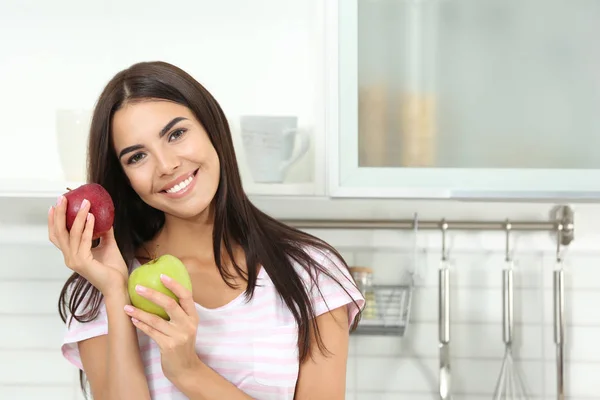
(154, 334)
(186, 300)
(105, 239)
(153, 321)
(60, 224)
(169, 304)
(51, 235)
(110, 235)
(79, 225)
(86, 238)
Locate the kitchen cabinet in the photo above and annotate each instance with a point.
(416, 99)
(474, 99)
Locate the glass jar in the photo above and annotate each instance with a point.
(363, 276)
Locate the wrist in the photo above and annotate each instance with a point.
(188, 382)
(117, 294)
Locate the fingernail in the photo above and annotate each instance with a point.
(88, 216)
(84, 203)
(139, 288)
(128, 308)
(59, 200)
(165, 278)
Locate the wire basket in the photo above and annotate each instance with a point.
(389, 314)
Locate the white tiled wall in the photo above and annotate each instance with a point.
(382, 368)
(407, 368)
(31, 365)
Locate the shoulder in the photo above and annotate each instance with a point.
(329, 283)
(325, 265)
(324, 258)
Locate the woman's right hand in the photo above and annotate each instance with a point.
(103, 266)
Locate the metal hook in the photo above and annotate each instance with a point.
(444, 226)
(507, 255)
(559, 235)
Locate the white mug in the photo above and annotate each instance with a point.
(72, 132)
(269, 143)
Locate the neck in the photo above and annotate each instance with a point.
(192, 240)
(187, 238)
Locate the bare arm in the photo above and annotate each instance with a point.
(323, 377)
(112, 362)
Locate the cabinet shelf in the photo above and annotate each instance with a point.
(35, 188)
(47, 188)
(389, 314)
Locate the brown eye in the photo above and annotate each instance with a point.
(136, 158)
(176, 134)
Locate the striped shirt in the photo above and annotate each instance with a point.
(253, 344)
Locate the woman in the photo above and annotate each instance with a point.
(271, 307)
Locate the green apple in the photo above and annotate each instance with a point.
(148, 275)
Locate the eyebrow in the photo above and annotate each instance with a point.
(162, 133)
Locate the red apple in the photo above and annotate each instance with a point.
(101, 206)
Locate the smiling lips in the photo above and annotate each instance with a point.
(181, 185)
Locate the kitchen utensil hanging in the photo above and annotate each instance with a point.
(559, 317)
(445, 387)
(510, 384)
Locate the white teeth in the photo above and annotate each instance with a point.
(181, 185)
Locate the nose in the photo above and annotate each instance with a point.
(167, 162)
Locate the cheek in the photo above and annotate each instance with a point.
(140, 180)
(210, 155)
(201, 152)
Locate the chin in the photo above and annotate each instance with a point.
(193, 211)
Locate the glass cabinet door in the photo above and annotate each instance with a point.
(469, 98)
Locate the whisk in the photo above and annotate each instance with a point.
(509, 385)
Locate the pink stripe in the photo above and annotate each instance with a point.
(248, 332)
(156, 376)
(148, 346)
(264, 375)
(167, 389)
(254, 359)
(266, 389)
(246, 388)
(263, 300)
(236, 371)
(83, 328)
(73, 356)
(333, 302)
(151, 361)
(213, 344)
(248, 318)
(216, 358)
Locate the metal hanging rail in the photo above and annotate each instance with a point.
(564, 224)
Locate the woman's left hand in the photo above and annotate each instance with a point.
(175, 338)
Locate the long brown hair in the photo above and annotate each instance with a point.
(266, 241)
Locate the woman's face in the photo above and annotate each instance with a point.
(167, 156)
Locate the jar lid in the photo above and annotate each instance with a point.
(367, 270)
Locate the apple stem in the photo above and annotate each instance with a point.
(69, 189)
